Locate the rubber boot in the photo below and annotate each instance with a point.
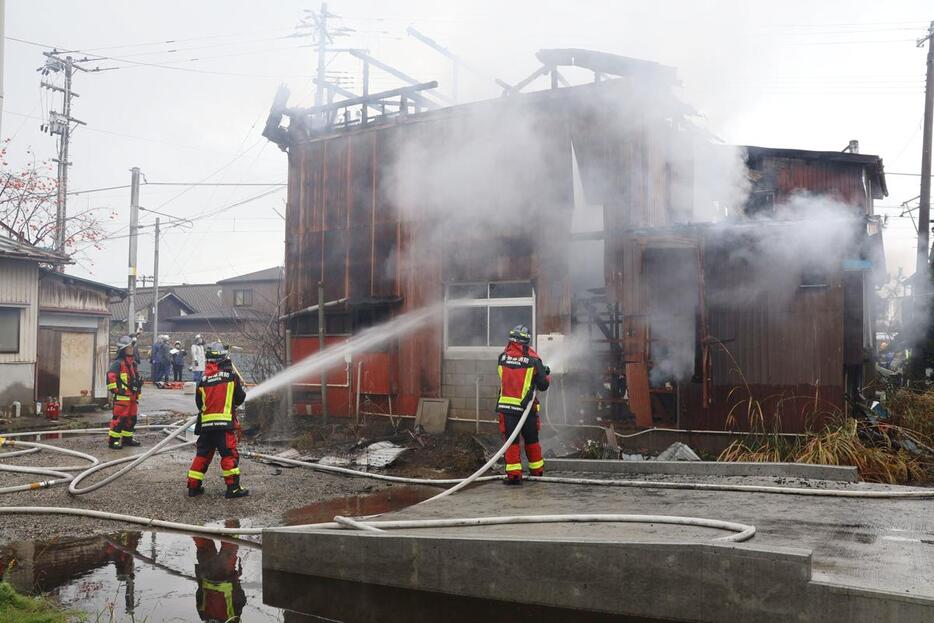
(129, 441)
(236, 491)
(537, 472)
(194, 492)
(114, 444)
(513, 480)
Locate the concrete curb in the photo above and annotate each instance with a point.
(699, 582)
(707, 468)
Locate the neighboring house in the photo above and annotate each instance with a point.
(54, 331)
(242, 311)
(73, 352)
(208, 308)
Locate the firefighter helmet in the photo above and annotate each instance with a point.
(123, 343)
(215, 351)
(520, 333)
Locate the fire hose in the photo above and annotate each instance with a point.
(743, 532)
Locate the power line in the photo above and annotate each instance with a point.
(174, 41)
(124, 135)
(161, 65)
(124, 186)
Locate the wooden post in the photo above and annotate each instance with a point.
(324, 373)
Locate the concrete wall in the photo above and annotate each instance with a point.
(696, 582)
(459, 385)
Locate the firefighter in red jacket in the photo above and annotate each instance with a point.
(521, 372)
(218, 395)
(125, 383)
(219, 597)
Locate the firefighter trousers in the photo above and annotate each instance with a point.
(529, 436)
(123, 422)
(224, 442)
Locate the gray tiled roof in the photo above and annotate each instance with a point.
(275, 273)
(201, 297)
(119, 310)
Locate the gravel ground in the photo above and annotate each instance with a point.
(157, 489)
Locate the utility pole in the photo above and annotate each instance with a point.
(324, 373)
(155, 287)
(2, 50)
(316, 25)
(60, 124)
(922, 288)
(131, 266)
(322, 20)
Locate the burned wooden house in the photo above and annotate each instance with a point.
(550, 208)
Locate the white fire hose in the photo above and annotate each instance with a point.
(743, 532)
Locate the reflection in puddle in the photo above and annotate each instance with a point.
(143, 576)
(164, 576)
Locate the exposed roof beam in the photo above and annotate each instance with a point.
(392, 71)
(410, 92)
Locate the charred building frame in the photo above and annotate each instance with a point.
(574, 210)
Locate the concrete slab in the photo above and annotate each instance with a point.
(842, 473)
(813, 559)
(432, 414)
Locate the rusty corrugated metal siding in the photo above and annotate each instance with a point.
(786, 176)
(778, 344)
(345, 228)
(785, 342)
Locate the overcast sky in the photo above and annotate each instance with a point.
(801, 74)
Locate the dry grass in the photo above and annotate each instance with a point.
(872, 448)
(912, 410)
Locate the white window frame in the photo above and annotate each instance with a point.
(470, 352)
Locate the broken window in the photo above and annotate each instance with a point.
(480, 315)
(9, 329)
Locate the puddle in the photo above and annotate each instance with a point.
(382, 501)
(162, 576)
(153, 577)
(139, 576)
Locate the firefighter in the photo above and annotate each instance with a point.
(218, 395)
(219, 597)
(521, 372)
(126, 385)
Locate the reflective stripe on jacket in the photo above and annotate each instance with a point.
(217, 600)
(218, 395)
(520, 371)
(123, 380)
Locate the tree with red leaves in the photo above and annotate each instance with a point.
(28, 207)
